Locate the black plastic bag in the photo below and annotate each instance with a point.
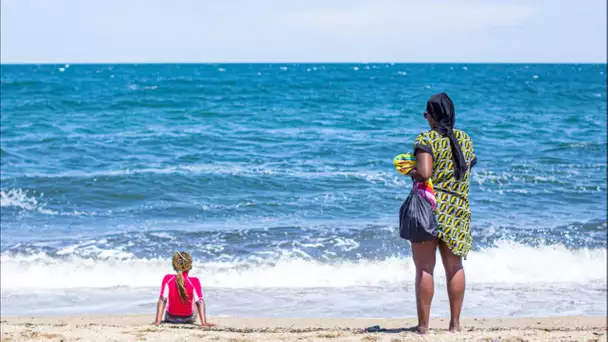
(417, 221)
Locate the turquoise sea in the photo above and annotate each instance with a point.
(278, 178)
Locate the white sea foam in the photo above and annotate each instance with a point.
(508, 264)
(23, 200)
(19, 198)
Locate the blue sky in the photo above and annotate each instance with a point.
(71, 31)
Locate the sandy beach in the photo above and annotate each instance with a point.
(139, 328)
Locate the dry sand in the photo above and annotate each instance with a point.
(139, 328)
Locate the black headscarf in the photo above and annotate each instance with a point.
(441, 108)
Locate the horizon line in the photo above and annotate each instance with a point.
(283, 62)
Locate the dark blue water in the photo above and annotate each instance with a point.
(281, 177)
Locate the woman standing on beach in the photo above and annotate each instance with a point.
(445, 155)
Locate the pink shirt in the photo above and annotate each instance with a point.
(176, 306)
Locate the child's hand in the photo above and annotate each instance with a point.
(207, 324)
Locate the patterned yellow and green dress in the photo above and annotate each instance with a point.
(453, 212)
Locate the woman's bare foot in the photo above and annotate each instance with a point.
(454, 327)
(422, 330)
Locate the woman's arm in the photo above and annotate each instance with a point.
(160, 308)
(424, 166)
(202, 313)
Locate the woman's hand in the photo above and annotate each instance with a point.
(413, 174)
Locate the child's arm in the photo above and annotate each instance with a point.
(162, 300)
(160, 308)
(200, 302)
(202, 313)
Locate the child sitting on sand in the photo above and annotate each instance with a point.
(183, 293)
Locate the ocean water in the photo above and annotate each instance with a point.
(278, 178)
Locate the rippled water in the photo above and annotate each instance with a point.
(279, 180)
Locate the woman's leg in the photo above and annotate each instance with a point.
(454, 274)
(424, 260)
